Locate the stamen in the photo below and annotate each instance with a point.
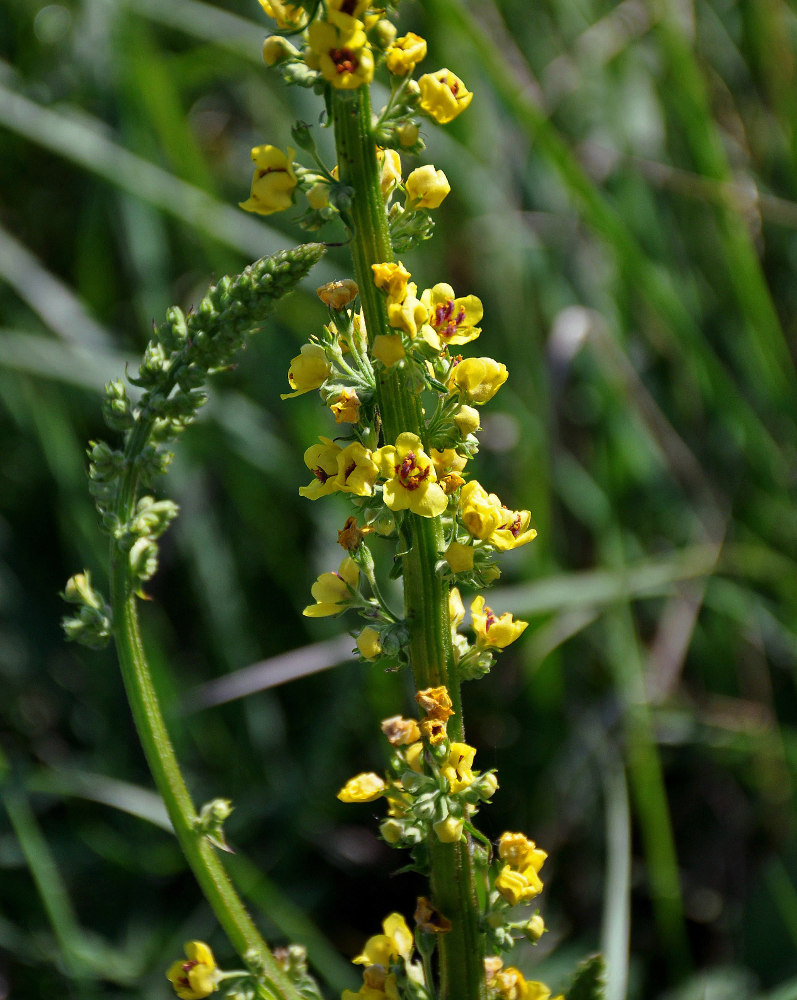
(344, 59)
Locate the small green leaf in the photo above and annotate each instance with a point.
(589, 980)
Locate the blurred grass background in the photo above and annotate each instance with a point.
(624, 202)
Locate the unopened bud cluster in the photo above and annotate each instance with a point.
(183, 352)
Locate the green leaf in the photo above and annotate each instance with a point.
(589, 980)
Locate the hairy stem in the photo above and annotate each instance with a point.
(461, 951)
(200, 855)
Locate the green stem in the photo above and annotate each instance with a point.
(453, 882)
(200, 855)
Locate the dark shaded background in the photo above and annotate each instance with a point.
(624, 203)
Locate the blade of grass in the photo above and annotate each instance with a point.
(764, 347)
(616, 921)
(49, 884)
(84, 141)
(652, 281)
(53, 301)
(46, 358)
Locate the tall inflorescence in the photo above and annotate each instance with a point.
(389, 367)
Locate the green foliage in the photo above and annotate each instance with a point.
(589, 980)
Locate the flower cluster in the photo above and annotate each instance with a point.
(183, 352)
(509, 983)
(431, 786)
(387, 963)
(343, 44)
(492, 634)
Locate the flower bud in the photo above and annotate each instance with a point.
(302, 136)
(391, 830)
(318, 196)
(449, 830)
(535, 928)
(277, 49)
(143, 558)
(407, 134)
(368, 643)
(383, 33)
(467, 419)
(78, 590)
(365, 787)
(384, 523)
(426, 187)
(459, 557)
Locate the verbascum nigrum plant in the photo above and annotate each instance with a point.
(392, 363)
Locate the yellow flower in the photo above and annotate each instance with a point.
(388, 349)
(322, 460)
(518, 887)
(392, 279)
(467, 420)
(400, 731)
(377, 985)
(389, 170)
(346, 408)
(367, 787)
(405, 53)
(357, 470)
(197, 976)
(342, 50)
(511, 985)
(308, 370)
(287, 15)
(491, 631)
(519, 851)
(413, 755)
(273, 183)
(436, 702)
(446, 461)
(411, 483)
(456, 609)
(426, 187)
(384, 949)
(333, 591)
(459, 557)
(481, 511)
(433, 731)
(513, 531)
(353, 8)
(368, 643)
(449, 830)
(338, 294)
(443, 95)
(458, 766)
(453, 320)
(477, 379)
(408, 315)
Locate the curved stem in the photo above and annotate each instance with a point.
(200, 855)
(453, 883)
